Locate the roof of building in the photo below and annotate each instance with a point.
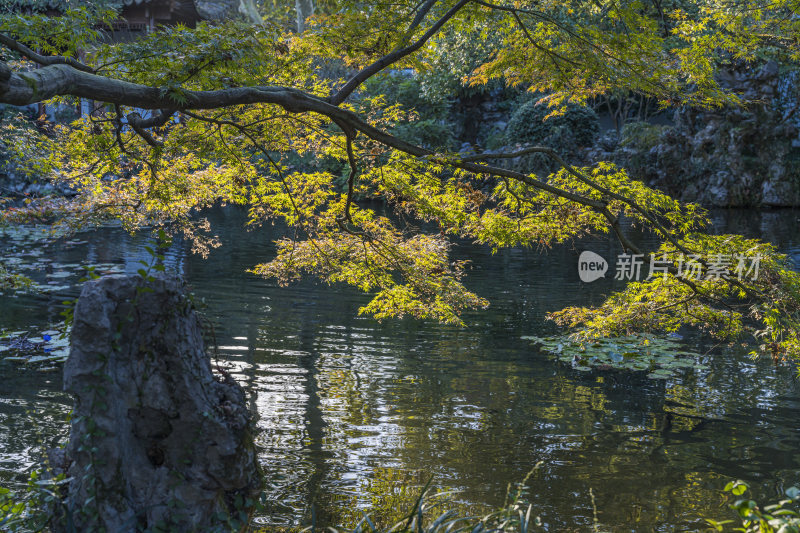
(180, 9)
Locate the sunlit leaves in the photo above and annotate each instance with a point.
(761, 518)
(11, 281)
(67, 35)
(306, 169)
(742, 30)
(410, 276)
(583, 49)
(764, 304)
(579, 51)
(209, 57)
(359, 33)
(25, 146)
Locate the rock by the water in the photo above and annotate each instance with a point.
(729, 157)
(157, 441)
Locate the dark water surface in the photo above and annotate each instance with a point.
(350, 411)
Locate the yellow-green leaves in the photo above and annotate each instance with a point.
(409, 276)
(741, 286)
(69, 34)
(310, 170)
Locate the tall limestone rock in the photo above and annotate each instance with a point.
(157, 440)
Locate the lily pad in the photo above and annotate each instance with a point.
(660, 357)
(54, 356)
(58, 343)
(50, 346)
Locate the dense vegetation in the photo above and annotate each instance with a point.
(298, 126)
(249, 100)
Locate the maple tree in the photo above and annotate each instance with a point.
(232, 106)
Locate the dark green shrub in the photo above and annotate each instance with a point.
(427, 121)
(455, 56)
(528, 125)
(641, 136)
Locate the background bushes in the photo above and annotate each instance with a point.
(426, 121)
(577, 127)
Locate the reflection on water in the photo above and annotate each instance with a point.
(349, 411)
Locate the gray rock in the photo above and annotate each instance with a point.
(717, 193)
(733, 156)
(776, 193)
(156, 439)
(769, 71)
(609, 141)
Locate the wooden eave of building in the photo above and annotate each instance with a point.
(135, 15)
(160, 12)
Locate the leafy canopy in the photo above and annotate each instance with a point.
(254, 115)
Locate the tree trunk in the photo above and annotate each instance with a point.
(249, 10)
(304, 8)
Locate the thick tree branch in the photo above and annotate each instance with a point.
(155, 121)
(422, 12)
(134, 119)
(18, 88)
(23, 88)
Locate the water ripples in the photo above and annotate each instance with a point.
(352, 414)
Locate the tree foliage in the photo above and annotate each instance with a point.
(231, 107)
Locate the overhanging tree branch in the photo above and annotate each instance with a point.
(62, 80)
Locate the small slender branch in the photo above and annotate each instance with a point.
(42, 59)
(506, 155)
(351, 159)
(141, 125)
(372, 69)
(615, 226)
(548, 53)
(118, 130)
(677, 303)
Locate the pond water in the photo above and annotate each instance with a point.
(353, 413)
